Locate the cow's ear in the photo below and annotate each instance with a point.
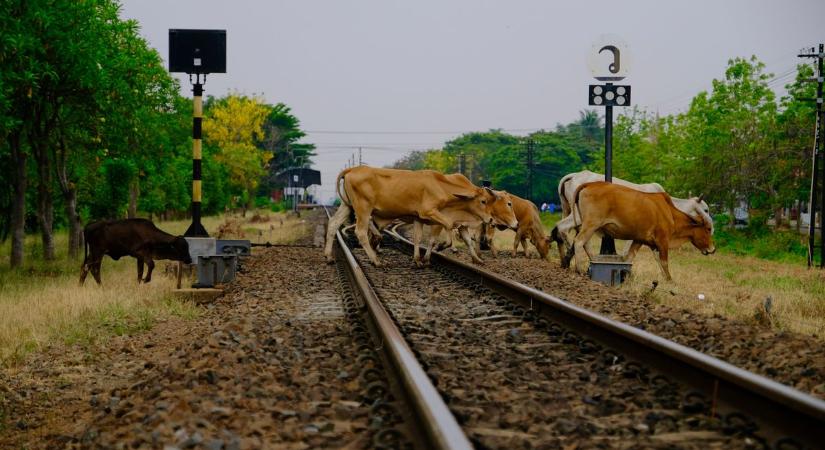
(464, 195)
(493, 193)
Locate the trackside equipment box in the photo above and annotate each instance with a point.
(611, 270)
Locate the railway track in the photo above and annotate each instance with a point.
(481, 360)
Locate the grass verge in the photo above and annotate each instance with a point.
(750, 267)
(41, 303)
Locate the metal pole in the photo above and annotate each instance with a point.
(608, 246)
(817, 154)
(820, 116)
(531, 145)
(196, 229)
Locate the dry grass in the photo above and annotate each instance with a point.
(733, 286)
(42, 302)
(737, 287)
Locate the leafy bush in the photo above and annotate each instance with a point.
(262, 202)
(762, 242)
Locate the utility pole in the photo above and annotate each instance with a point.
(818, 154)
(359, 156)
(531, 146)
(462, 163)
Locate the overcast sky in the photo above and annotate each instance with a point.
(424, 71)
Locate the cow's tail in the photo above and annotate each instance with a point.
(338, 182)
(576, 211)
(565, 205)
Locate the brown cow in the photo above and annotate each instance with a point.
(645, 218)
(501, 210)
(529, 227)
(569, 184)
(139, 238)
(381, 195)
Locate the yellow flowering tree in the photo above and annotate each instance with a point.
(234, 125)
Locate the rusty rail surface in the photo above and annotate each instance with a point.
(431, 414)
(784, 414)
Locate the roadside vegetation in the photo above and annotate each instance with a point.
(42, 304)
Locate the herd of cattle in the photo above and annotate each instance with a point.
(642, 214)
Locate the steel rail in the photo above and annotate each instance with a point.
(782, 411)
(431, 413)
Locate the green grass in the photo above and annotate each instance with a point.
(786, 246)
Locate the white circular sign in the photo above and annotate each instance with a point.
(609, 58)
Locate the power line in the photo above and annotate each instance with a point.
(508, 130)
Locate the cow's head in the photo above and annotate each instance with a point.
(175, 250)
(699, 209)
(701, 235)
(478, 203)
(502, 209)
(542, 244)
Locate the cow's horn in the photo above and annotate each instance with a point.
(701, 196)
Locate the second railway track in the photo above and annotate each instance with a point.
(514, 379)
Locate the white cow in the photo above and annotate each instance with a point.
(571, 220)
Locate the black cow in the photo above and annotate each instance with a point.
(139, 238)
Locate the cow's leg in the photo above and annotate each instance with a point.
(554, 235)
(468, 240)
(151, 265)
(435, 232)
(632, 249)
(580, 246)
(140, 269)
(362, 231)
(663, 253)
(95, 267)
(335, 222)
(516, 242)
(451, 235)
(418, 231)
(84, 270)
(375, 237)
(562, 236)
(491, 233)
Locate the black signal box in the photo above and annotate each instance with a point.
(197, 51)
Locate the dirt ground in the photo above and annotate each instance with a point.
(271, 364)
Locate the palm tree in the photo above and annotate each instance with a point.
(590, 125)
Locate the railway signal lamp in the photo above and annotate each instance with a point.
(197, 52)
(609, 95)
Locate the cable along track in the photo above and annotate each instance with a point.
(521, 369)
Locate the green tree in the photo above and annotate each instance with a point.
(731, 132)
